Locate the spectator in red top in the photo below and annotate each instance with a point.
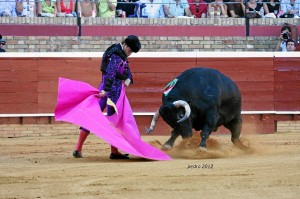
(198, 8)
(64, 6)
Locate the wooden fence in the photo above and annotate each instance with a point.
(269, 83)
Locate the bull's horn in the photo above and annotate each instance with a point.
(186, 106)
(153, 122)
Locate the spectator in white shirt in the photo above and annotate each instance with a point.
(151, 9)
(10, 8)
(290, 7)
(29, 8)
(176, 8)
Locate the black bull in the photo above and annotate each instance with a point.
(202, 99)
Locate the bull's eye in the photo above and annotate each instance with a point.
(179, 116)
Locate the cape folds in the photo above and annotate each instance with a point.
(77, 103)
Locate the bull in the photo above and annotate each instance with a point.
(200, 99)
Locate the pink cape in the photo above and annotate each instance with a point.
(77, 103)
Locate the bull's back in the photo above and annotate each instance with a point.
(206, 81)
(204, 87)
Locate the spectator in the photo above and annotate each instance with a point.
(291, 45)
(29, 8)
(87, 8)
(2, 44)
(127, 5)
(67, 7)
(284, 36)
(218, 6)
(107, 8)
(271, 6)
(46, 8)
(152, 9)
(290, 8)
(255, 7)
(236, 8)
(176, 8)
(10, 8)
(198, 8)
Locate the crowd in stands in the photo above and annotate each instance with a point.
(151, 8)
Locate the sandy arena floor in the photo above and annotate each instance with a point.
(43, 167)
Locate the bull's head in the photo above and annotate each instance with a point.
(173, 114)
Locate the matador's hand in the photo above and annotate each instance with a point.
(127, 82)
(102, 93)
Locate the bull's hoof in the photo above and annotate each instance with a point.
(242, 144)
(202, 149)
(166, 147)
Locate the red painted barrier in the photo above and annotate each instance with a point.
(144, 30)
(268, 83)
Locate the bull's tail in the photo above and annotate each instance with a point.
(153, 122)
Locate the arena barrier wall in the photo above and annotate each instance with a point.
(269, 83)
(67, 34)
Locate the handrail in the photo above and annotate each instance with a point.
(149, 54)
(152, 113)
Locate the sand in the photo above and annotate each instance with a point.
(43, 167)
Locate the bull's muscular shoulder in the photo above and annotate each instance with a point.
(200, 72)
(202, 84)
(199, 79)
(205, 76)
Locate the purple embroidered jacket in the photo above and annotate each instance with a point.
(115, 70)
